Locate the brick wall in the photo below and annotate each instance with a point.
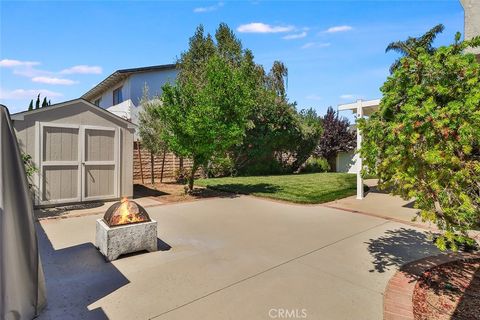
(172, 165)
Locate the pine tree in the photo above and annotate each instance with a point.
(44, 103)
(37, 103)
(30, 106)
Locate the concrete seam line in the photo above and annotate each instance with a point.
(409, 223)
(268, 270)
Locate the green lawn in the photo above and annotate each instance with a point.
(299, 188)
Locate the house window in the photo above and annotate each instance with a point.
(117, 96)
(97, 102)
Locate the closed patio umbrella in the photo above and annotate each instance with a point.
(22, 284)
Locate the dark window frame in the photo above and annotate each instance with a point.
(117, 95)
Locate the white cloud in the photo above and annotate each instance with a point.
(19, 94)
(259, 27)
(53, 80)
(10, 63)
(208, 9)
(82, 69)
(22, 68)
(339, 29)
(295, 36)
(313, 97)
(315, 45)
(29, 72)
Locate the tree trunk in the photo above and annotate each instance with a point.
(191, 178)
(332, 161)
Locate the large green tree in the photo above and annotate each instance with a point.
(274, 136)
(424, 142)
(278, 139)
(205, 113)
(204, 122)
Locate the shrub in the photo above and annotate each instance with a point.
(314, 164)
(30, 168)
(219, 167)
(423, 142)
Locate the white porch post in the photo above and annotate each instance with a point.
(359, 158)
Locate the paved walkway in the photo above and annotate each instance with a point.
(238, 258)
(381, 204)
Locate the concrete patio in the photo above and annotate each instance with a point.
(381, 204)
(231, 258)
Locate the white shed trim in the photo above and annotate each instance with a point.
(20, 115)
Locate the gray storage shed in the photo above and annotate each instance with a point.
(82, 152)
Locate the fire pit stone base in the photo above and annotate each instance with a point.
(112, 242)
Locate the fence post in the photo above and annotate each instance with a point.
(163, 165)
(140, 159)
(151, 168)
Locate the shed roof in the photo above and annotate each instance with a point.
(20, 115)
(120, 75)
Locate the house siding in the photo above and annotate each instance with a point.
(154, 80)
(107, 97)
(132, 87)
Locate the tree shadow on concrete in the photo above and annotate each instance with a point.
(239, 188)
(374, 189)
(410, 205)
(141, 191)
(76, 277)
(398, 247)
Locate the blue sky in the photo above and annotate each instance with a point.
(334, 50)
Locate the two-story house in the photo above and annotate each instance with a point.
(122, 91)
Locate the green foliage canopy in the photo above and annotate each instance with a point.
(204, 114)
(423, 143)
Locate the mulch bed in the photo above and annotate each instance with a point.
(449, 291)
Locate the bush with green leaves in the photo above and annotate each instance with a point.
(424, 142)
(314, 164)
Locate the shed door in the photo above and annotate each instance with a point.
(78, 163)
(100, 163)
(60, 163)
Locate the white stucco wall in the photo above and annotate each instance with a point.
(154, 80)
(347, 162)
(107, 96)
(132, 87)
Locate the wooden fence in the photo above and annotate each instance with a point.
(145, 164)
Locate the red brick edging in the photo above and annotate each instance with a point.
(398, 297)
